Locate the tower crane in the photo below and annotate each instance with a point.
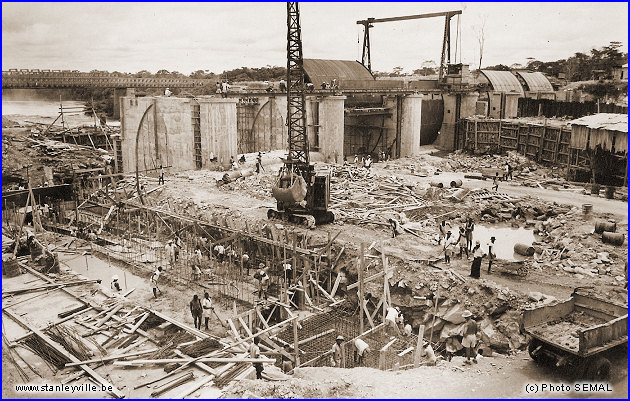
(302, 194)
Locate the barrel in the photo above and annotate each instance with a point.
(587, 208)
(601, 226)
(437, 184)
(595, 189)
(456, 183)
(524, 250)
(613, 238)
(610, 192)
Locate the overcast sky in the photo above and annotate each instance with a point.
(186, 37)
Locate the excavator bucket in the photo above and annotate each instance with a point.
(294, 194)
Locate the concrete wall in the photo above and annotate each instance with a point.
(218, 130)
(331, 128)
(410, 125)
(166, 135)
(467, 107)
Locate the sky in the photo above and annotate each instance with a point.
(185, 37)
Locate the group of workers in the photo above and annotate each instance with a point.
(464, 241)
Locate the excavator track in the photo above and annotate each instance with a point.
(304, 220)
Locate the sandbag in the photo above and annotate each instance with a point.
(294, 194)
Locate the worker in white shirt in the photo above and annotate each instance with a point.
(491, 255)
(170, 252)
(206, 305)
(115, 285)
(154, 280)
(391, 319)
(361, 351)
(336, 359)
(254, 352)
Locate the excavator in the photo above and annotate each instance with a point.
(301, 192)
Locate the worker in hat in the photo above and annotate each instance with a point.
(475, 269)
(491, 255)
(263, 282)
(115, 285)
(337, 358)
(469, 340)
(449, 245)
(170, 252)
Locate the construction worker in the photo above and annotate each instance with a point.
(449, 244)
(115, 285)
(263, 283)
(287, 365)
(196, 272)
(470, 227)
(245, 259)
(491, 255)
(462, 242)
(154, 280)
(196, 310)
(361, 351)
(506, 171)
(220, 251)
(391, 319)
(167, 92)
(469, 340)
(495, 182)
(206, 305)
(259, 165)
(254, 352)
(475, 269)
(395, 227)
(288, 272)
(161, 177)
(283, 85)
(337, 353)
(170, 252)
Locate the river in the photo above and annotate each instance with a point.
(42, 103)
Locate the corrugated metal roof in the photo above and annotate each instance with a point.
(536, 81)
(503, 81)
(606, 121)
(318, 71)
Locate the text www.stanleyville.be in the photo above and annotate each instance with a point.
(62, 388)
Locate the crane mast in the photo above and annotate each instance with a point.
(296, 109)
(302, 194)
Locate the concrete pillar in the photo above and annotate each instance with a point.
(410, 125)
(331, 128)
(456, 107)
(118, 93)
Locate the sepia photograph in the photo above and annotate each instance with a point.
(314, 200)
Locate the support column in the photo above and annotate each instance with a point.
(410, 125)
(331, 128)
(118, 93)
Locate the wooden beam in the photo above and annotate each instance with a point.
(316, 336)
(367, 313)
(334, 289)
(111, 357)
(140, 362)
(109, 315)
(322, 290)
(59, 349)
(419, 348)
(367, 280)
(137, 325)
(361, 290)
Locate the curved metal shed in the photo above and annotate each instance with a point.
(503, 81)
(536, 81)
(318, 71)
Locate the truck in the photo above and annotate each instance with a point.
(577, 333)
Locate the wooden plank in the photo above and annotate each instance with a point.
(247, 330)
(316, 336)
(367, 280)
(111, 357)
(181, 325)
(142, 362)
(109, 315)
(386, 346)
(262, 319)
(335, 286)
(137, 325)
(322, 290)
(237, 336)
(59, 349)
(419, 347)
(380, 302)
(367, 313)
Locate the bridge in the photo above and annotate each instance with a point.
(43, 79)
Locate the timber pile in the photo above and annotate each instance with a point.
(372, 201)
(202, 347)
(72, 342)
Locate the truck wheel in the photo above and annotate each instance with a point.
(598, 370)
(533, 344)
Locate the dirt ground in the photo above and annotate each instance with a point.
(249, 199)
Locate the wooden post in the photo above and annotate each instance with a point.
(419, 348)
(385, 283)
(476, 135)
(361, 294)
(295, 343)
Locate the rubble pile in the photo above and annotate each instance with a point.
(21, 150)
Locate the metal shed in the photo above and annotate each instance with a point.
(604, 129)
(318, 71)
(503, 81)
(536, 81)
